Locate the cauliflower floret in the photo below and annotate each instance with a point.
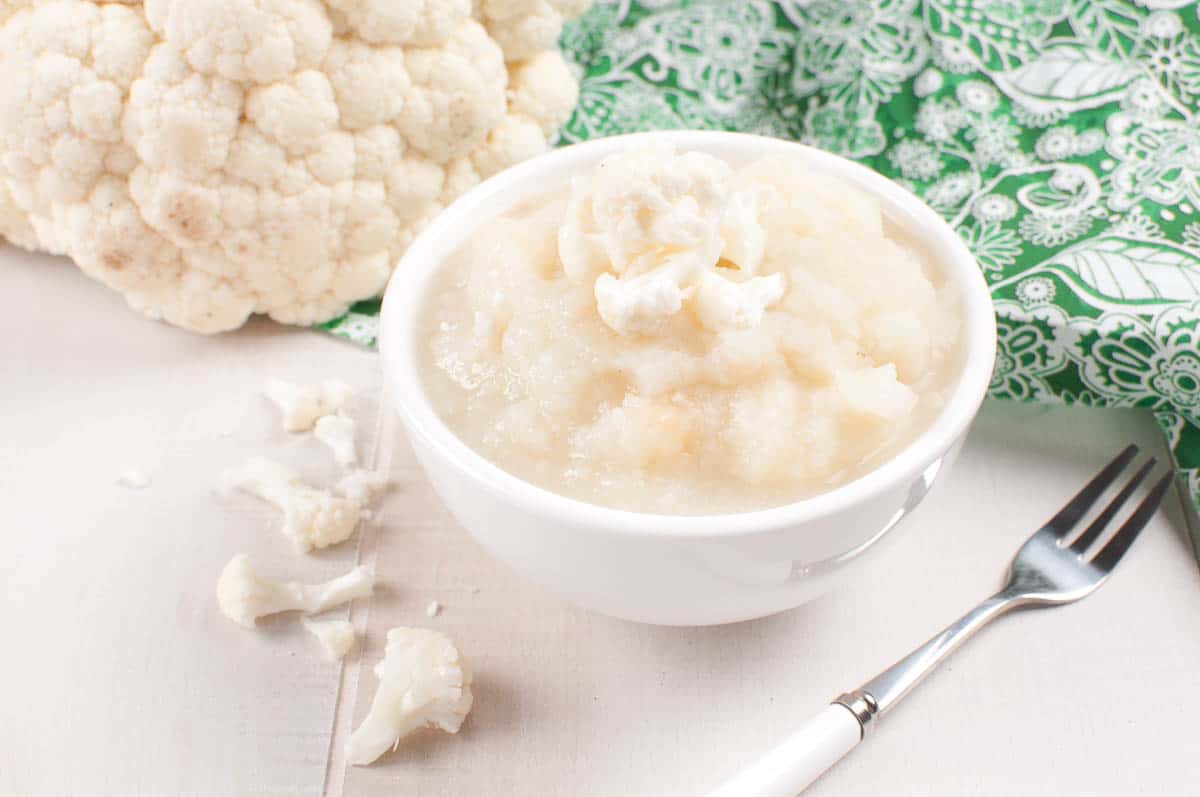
(724, 304)
(423, 682)
(357, 72)
(640, 304)
(650, 200)
(312, 518)
(337, 637)
(657, 230)
(337, 432)
(514, 139)
(522, 28)
(541, 95)
(210, 159)
(244, 595)
(543, 90)
(457, 94)
(244, 40)
(301, 407)
(424, 23)
(61, 96)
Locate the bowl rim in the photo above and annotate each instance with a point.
(410, 282)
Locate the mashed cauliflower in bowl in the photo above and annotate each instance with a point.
(686, 377)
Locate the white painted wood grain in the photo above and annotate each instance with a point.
(117, 676)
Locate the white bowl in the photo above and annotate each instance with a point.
(676, 570)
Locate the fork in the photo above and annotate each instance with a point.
(1052, 568)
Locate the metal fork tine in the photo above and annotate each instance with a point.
(1112, 552)
(1070, 514)
(1098, 525)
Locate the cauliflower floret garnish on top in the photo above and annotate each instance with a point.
(656, 229)
(211, 159)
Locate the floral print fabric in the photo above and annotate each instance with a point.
(1061, 139)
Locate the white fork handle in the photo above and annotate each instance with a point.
(801, 758)
(798, 760)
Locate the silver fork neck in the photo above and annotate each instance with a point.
(877, 696)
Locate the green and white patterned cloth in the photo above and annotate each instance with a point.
(1061, 138)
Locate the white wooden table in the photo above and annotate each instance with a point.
(119, 677)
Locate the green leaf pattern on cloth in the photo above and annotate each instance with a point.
(1061, 139)
(360, 324)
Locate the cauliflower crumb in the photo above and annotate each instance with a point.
(423, 682)
(433, 609)
(337, 432)
(244, 596)
(301, 407)
(337, 637)
(133, 478)
(312, 518)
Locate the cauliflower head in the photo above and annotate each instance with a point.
(211, 159)
(423, 683)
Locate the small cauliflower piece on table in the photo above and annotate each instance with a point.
(337, 432)
(244, 595)
(301, 406)
(423, 682)
(337, 637)
(312, 518)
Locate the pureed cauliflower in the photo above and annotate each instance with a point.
(677, 337)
